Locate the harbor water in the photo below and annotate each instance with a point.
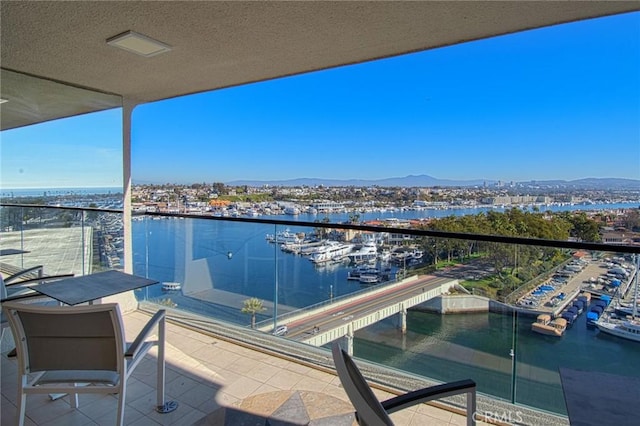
(235, 257)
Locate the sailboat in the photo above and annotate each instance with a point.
(629, 328)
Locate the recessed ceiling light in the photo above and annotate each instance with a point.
(138, 44)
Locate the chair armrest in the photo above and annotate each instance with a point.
(37, 280)
(427, 394)
(10, 278)
(31, 295)
(133, 349)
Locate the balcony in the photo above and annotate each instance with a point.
(217, 359)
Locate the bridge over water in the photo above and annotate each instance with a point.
(342, 317)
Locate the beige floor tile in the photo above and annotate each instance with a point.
(263, 372)
(243, 387)
(243, 365)
(403, 417)
(216, 356)
(202, 375)
(180, 385)
(99, 406)
(420, 419)
(199, 395)
(434, 412)
(73, 418)
(311, 384)
(131, 416)
(285, 380)
(264, 388)
(321, 375)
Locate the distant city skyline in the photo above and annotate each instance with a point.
(557, 103)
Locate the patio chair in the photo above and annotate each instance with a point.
(15, 273)
(371, 412)
(67, 346)
(14, 288)
(22, 290)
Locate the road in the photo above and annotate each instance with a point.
(367, 304)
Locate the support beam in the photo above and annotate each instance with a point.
(403, 318)
(348, 340)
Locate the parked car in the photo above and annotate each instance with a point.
(281, 330)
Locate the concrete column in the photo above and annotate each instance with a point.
(403, 318)
(126, 300)
(127, 109)
(348, 339)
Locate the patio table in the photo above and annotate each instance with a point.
(87, 288)
(12, 251)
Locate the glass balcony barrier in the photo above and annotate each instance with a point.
(506, 314)
(61, 240)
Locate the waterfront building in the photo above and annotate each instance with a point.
(64, 73)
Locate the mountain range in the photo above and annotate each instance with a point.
(430, 181)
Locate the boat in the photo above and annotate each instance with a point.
(331, 250)
(284, 237)
(384, 255)
(368, 251)
(292, 210)
(545, 325)
(407, 256)
(369, 278)
(627, 329)
(171, 286)
(364, 269)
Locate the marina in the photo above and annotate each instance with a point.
(159, 250)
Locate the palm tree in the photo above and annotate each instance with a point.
(252, 306)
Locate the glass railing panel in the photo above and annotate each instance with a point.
(104, 249)
(479, 327)
(208, 267)
(462, 330)
(62, 241)
(587, 290)
(215, 266)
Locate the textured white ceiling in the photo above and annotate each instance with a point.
(219, 44)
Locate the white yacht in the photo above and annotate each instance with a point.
(627, 329)
(369, 278)
(284, 237)
(171, 286)
(331, 250)
(368, 251)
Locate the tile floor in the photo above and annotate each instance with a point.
(203, 374)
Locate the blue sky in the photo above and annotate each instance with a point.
(555, 103)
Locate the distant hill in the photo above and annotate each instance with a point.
(430, 181)
(407, 181)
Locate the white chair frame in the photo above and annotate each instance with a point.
(92, 352)
(371, 412)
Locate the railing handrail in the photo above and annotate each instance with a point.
(577, 245)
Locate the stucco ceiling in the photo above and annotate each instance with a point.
(218, 44)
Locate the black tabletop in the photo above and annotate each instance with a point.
(595, 398)
(86, 288)
(10, 251)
